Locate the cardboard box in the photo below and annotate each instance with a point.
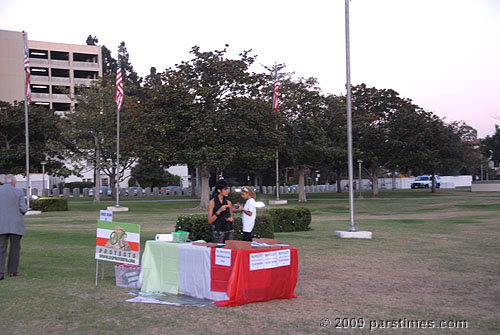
(127, 275)
(234, 244)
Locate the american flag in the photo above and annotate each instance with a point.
(27, 91)
(119, 86)
(275, 92)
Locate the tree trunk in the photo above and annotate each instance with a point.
(205, 188)
(97, 180)
(375, 186)
(192, 172)
(302, 190)
(373, 173)
(112, 183)
(393, 180)
(433, 184)
(339, 181)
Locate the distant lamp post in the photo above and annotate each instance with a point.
(360, 180)
(43, 175)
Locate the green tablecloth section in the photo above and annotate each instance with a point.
(160, 267)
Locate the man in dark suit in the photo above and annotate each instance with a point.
(12, 208)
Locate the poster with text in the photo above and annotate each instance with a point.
(118, 242)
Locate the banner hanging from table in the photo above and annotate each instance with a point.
(118, 242)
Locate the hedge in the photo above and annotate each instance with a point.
(290, 219)
(199, 228)
(79, 184)
(49, 204)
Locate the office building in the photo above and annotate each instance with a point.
(57, 69)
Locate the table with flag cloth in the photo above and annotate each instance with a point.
(183, 268)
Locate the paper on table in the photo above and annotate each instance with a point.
(164, 237)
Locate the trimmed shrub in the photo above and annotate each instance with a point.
(235, 197)
(263, 227)
(199, 229)
(79, 184)
(290, 219)
(197, 226)
(49, 204)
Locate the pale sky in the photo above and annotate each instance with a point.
(442, 54)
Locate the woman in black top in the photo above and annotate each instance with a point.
(220, 214)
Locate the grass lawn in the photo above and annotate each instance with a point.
(433, 257)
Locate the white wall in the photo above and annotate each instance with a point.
(405, 183)
(181, 171)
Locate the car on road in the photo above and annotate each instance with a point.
(101, 191)
(172, 189)
(425, 181)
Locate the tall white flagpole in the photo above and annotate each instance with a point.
(352, 230)
(119, 103)
(275, 97)
(349, 119)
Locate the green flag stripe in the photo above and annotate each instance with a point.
(128, 227)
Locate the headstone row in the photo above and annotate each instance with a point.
(155, 191)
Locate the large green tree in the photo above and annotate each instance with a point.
(206, 113)
(490, 146)
(93, 131)
(373, 113)
(306, 144)
(45, 140)
(108, 62)
(334, 123)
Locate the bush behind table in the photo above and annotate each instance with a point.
(49, 204)
(266, 223)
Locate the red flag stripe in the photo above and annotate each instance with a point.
(275, 92)
(101, 242)
(27, 71)
(119, 86)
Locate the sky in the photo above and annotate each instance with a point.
(442, 54)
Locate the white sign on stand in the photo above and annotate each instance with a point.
(106, 215)
(223, 257)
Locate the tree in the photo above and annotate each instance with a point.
(45, 140)
(195, 116)
(490, 146)
(334, 123)
(306, 142)
(131, 81)
(374, 112)
(153, 174)
(108, 62)
(93, 131)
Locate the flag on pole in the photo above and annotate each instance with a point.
(275, 92)
(119, 86)
(27, 90)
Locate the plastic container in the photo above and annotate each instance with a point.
(180, 236)
(127, 275)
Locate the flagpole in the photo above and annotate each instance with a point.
(26, 129)
(349, 120)
(275, 109)
(277, 174)
(352, 231)
(118, 157)
(119, 103)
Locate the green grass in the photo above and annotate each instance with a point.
(433, 257)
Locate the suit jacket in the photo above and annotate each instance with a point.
(12, 208)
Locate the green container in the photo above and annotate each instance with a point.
(180, 236)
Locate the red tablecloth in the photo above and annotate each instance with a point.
(243, 285)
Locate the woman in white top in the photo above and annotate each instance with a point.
(248, 212)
